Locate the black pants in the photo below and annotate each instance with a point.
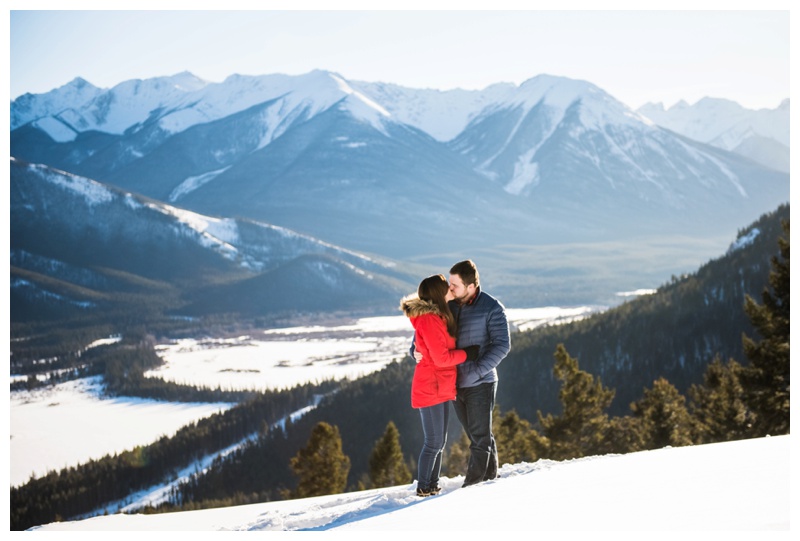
(473, 406)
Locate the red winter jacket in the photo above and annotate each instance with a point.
(435, 375)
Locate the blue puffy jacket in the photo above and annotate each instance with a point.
(482, 323)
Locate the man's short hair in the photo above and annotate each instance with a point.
(467, 271)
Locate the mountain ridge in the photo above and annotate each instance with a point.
(76, 241)
(391, 95)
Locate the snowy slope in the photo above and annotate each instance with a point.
(741, 486)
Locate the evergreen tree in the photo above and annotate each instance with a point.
(579, 430)
(717, 406)
(663, 417)
(321, 465)
(622, 435)
(514, 439)
(458, 457)
(386, 465)
(766, 378)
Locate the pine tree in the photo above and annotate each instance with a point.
(622, 435)
(579, 430)
(321, 465)
(717, 406)
(514, 439)
(663, 417)
(386, 465)
(458, 457)
(766, 378)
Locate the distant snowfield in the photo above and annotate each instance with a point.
(73, 422)
(247, 363)
(282, 358)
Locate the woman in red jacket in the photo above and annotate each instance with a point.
(434, 383)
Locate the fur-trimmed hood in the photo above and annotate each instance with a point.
(413, 306)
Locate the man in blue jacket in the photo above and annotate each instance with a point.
(481, 321)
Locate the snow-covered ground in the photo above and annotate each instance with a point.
(720, 491)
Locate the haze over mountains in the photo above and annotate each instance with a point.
(413, 175)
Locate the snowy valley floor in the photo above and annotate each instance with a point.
(741, 488)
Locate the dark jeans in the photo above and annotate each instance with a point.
(434, 427)
(473, 407)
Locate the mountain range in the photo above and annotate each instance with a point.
(381, 171)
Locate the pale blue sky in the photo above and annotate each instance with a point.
(636, 56)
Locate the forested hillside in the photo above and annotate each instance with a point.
(674, 333)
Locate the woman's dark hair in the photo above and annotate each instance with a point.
(434, 289)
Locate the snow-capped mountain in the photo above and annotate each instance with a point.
(46, 107)
(81, 107)
(761, 135)
(68, 231)
(510, 140)
(181, 101)
(404, 172)
(558, 137)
